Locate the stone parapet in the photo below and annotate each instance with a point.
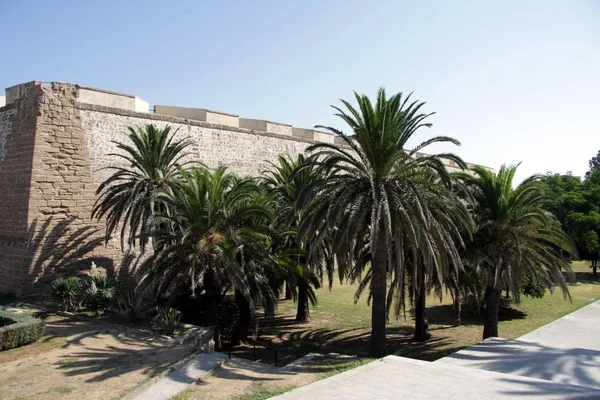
(266, 126)
(198, 114)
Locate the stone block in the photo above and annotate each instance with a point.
(266, 126)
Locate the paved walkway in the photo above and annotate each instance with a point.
(558, 361)
(565, 351)
(403, 378)
(178, 381)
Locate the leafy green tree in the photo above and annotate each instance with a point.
(594, 168)
(285, 181)
(576, 204)
(376, 198)
(216, 238)
(127, 198)
(514, 237)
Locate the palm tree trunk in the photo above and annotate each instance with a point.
(288, 292)
(303, 312)
(421, 328)
(217, 331)
(492, 304)
(242, 326)
(457, 310)
(378, 289)
(457, 302)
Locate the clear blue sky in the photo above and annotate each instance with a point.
(514, 81)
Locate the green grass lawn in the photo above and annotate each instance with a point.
(338, 325)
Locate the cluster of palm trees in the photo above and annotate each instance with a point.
(392, 220)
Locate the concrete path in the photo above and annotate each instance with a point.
(560, 360)
(579, 329)
(178, 381)
(403, 378)
(564, 351)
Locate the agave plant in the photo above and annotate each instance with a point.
(127, 302)
(168, 318)
(98, 295)
(68, 291)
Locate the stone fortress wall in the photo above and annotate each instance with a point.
(55, 138)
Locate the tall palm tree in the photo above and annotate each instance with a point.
(150, 162)
(285, 181)
(377, 198)
(215, 236)
(514, 236)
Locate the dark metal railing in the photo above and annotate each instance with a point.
(254, 344)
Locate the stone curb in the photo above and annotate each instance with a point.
(177, 365)
(310, 356)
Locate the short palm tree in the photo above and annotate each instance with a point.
(448, 221)
(150, 162)
(285, 181)
(514, 236)
(377, 198)
(216, 235)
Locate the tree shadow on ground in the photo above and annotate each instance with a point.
(103, 352)
(293, 340)
(570, 365)
(535, 389)
(237, 369)
(443, 314)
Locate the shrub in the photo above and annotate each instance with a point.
(99, 293)
(68, 291)
(168, 318)
(532, 288)
(126, 302)
(19, 329)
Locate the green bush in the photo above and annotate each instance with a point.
(532, 288)
(69, 292)
(19, 329)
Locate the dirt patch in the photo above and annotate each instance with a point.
(85, 360)
(237, 377)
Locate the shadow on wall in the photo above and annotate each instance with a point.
(57, 248)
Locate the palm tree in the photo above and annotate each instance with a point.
(285, 181)
(127, 198)
(448, 221)
(377, 198)
(216, 240)
(514, 236)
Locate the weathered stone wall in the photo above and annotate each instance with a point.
(243, 151)
(6, 117)
(17, 138)
(47, 193)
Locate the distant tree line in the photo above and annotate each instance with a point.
(575, 202)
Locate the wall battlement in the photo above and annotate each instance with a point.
(110, 101)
